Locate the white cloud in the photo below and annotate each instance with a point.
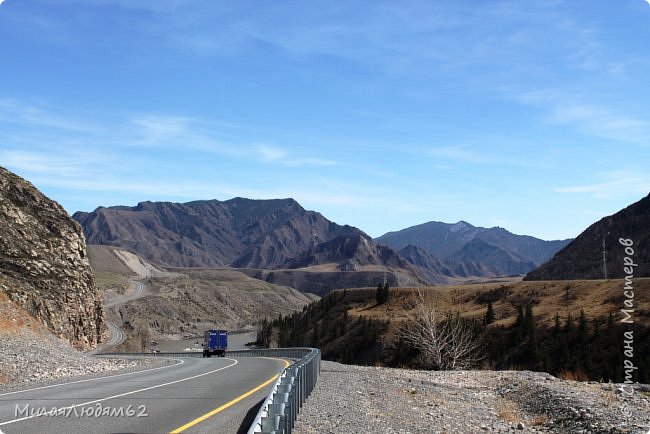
(157, 128)
(33, 114)
(589, 118)
(273, 155)
(56, 163)
(270, 154)
(617, 184)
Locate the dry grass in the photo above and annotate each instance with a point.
(539, 420)
(598, 298)
(610, 398)
(578, 375)
(509, 412)
(106, 280)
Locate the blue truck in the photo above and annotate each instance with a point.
(215, 342)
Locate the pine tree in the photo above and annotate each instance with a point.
(283, 338)
(568, 326)
(531, 332)
(380, 294)
(519, 326)
(596, 333)
(583, 329)
(383, 293)
(556, 327)
(519, 322)
(315, 339)
(489, 314)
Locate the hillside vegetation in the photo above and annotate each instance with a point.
(571, 329)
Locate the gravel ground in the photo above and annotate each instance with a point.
(27, 358)
(355, 399)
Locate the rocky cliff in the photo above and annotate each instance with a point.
(43, 263)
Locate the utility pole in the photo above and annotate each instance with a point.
(384, 278)
(604, 259)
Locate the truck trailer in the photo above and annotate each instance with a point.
(215, 343)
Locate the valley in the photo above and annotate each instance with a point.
(151, 304)
(282, 276)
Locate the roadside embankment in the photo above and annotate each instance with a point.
(353, 399)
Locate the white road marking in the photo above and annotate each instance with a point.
(127, 393)
(180, 362)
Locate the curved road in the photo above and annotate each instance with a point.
(189, 395)
(117, 334)
(137, 293)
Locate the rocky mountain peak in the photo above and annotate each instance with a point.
(460, 226)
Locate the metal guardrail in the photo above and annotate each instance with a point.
(279, 411)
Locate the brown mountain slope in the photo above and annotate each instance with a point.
(249, 234)
(238, 232)
(583, 259)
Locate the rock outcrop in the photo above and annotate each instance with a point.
(43, 263)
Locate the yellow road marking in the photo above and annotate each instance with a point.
(228, 404)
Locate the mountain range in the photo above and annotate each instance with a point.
(583, 257)
(298, 244)
(462, 249)
(237, 232)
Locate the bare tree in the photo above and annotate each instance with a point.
(445, 341)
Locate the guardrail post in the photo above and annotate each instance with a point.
(270, 424)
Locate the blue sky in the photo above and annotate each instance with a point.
(533, 116)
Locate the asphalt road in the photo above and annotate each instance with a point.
(117, 334)
(191, 395)
(236, 341)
